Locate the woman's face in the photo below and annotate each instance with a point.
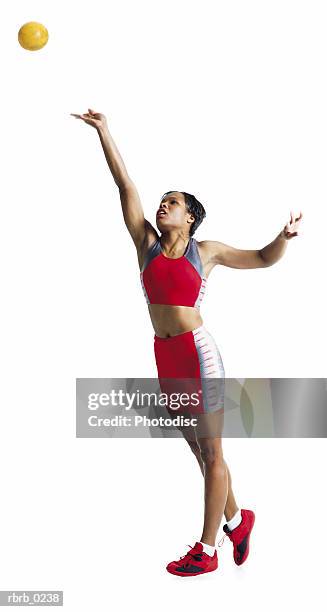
(172, 213)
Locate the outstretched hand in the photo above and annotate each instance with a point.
(291, 228)
(97, 120)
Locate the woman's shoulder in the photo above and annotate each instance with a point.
(151, 243)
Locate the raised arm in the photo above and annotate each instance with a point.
(223, 254)
(133, 213)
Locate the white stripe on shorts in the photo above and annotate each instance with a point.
(211, 367)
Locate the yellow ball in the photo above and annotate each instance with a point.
(33, 36)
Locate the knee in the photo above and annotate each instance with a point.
(213, 457)
(194, 447)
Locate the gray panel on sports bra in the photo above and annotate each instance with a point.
(151, 253)
(193, 256)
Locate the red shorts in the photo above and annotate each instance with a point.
(194, 357)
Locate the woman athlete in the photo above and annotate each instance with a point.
(173, 271)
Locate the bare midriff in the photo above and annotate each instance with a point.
(170, 321)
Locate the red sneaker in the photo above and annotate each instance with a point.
(240, 536)
(195, 562)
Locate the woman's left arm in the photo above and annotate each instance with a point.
(218, 253)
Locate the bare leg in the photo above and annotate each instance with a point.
(231, 506)
(215, 487)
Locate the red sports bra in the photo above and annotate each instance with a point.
(176, 282)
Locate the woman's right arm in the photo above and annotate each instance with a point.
(133, 213)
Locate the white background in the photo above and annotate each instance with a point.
(226, 100)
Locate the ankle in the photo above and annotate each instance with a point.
(208, 541)
(208, 548)
(230, 513)
(235, 521)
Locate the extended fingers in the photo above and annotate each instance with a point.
(291, 227)
(293, 218)
(81, 116)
